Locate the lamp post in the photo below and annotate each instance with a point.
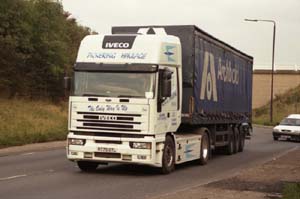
(273, 54)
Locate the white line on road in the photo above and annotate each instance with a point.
(13, 177)
(28, 153)
(26, 175)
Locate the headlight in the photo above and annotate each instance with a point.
(296, 131)
(276, 130)
(73, 141)
(140, 145)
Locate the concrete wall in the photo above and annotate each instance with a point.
(283, 81)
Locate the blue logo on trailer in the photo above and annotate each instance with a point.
(169, 52)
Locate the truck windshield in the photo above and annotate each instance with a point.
(114, 84)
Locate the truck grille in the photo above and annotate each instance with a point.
(108, 122)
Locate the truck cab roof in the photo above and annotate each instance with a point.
(130, 48)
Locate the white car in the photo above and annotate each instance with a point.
(289, 128)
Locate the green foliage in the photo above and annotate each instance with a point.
(291, 191)
(38, 44)
(25, 121)
(283, 105)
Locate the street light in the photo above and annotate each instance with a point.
(273, 54)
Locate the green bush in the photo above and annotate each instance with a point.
(291, 191)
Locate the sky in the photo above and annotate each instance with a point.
(223, 19)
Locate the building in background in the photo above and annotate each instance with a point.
(285, 78)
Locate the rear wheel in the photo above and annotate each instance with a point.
(87, 166)
(205, 149)
(229, 149)
(242, 140)
(168, 159)
(236, 139)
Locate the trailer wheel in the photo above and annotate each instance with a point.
(168, 157)
(242, 140)
(230, 147)
(87, 166)
(236, 139)
(205, 149)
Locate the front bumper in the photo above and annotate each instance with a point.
(118, 150)
(293, 136)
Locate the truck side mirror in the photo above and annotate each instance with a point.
(166, 83)
(67, 83)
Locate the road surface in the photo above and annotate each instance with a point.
(48, 175)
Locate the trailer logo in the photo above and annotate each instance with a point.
(228, 73)
(169, 52)
(209, 84)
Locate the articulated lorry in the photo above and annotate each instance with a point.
(159, 96)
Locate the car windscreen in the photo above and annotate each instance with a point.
(290, 122)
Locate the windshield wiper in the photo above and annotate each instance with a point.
(94, 95)
(130, 96)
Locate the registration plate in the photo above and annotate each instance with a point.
(106, 150)
(285, 136)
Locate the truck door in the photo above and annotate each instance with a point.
(168, 107)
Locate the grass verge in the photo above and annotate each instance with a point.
(291, 191)
(284, 104)
(24, 122)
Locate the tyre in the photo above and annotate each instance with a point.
(87, 166)
(205, 149)
(168, 157)
(229, 149)
(275, 138)
(236, 139)
(242, 140)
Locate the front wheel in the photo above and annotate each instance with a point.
(205, 149)
(168, 158)
(87, 166)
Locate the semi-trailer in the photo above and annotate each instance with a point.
(159, 96)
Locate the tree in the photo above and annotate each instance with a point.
(39, 43)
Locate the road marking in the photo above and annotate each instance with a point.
(284, 153)
(28, 153)
(26, 175)
(13, 177)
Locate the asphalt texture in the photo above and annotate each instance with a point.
(48, 174)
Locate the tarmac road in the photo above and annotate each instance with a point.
(49, 175)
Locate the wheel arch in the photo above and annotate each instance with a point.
(207, 131)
